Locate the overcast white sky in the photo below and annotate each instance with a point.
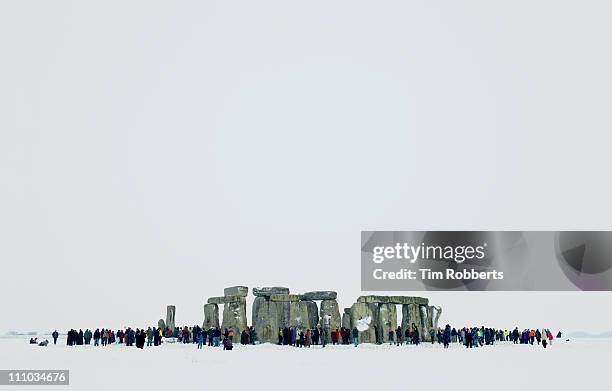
(152, 153)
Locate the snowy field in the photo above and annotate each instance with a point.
(579, 364)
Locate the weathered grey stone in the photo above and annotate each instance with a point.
(363, 319)
(305, 318)
(234, 315)
(320, 295)
(271, 290)
(408, 300)
(393, 299)
(211, 316)
(387, 320)
(425, 322)
(288, 313)
(170, 314)
(225, 299)
(346, 321)
(410, 316)
(373, 299)
(301, 319)
(375, 322)
(431, 323)
(313, 313)
(329, 308)
(434, 316)
(285, 297)
(236, 291)
(265, 319)
(161, 324)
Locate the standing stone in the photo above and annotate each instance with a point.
(170, 314)
(436, 313)
(308, 314)
(313, 314)
(424, 326)
(375, 322)
(161, 324)
(433, 314)
(330, 308)
(234, 315)
(288, 313)
(410, 315)
(346, 321)
(265, 319)
(363, 319)
(387, 320)
(211, 316)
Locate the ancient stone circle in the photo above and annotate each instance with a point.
(276, 307)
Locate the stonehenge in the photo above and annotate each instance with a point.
(276, 307)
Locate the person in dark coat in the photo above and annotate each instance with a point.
(398, 336)
(415, 336)
(211, 336)
(96, 337)
(227, 343)
(446, 336)
(316, 333)
(140, 338)
(55, 335)
(302, 339)
(469, 338)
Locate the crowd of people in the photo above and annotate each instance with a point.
(153, 336)
(470, 337)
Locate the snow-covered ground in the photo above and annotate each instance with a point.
(579, 364)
